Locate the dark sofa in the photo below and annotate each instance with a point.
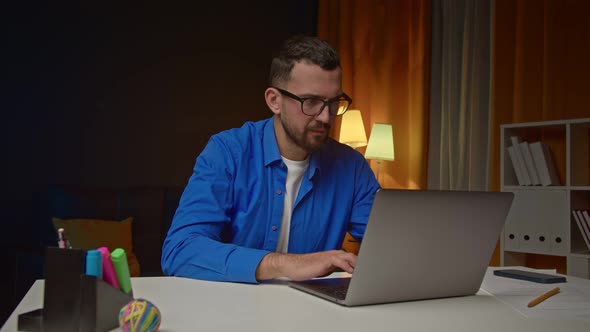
(152, 209)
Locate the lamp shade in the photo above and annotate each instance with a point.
(352, 130)
(380, 143)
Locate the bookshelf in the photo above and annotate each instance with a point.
(541, 221)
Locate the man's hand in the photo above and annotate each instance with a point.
(304, 266)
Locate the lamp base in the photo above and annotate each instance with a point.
(378, 169)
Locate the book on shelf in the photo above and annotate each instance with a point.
(587, 217)
(544, 164)
(516, 166)
(520, 163)
(583, 226)
(529, 163)
(585, 220)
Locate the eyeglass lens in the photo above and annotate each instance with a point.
(315, 106)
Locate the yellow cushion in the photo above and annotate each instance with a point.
(87, 234)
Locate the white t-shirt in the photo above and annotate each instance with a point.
(295, 172)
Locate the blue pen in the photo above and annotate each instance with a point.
(94, 263)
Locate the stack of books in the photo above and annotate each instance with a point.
(532, 163)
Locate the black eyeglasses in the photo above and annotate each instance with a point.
(314, 106)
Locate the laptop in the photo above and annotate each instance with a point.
(420, 245)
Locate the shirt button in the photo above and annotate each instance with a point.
(279, 191)
(274, 228)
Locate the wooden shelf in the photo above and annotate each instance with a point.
(583, 254)
(540, 220)
(535, 187)
(580, 188)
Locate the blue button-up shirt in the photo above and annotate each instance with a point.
(229, 216)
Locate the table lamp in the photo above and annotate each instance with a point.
(380, 145)
(352, 130)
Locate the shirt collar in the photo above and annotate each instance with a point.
(314, 162)
(272, 153)
(270, 146)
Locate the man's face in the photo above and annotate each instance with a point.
(309, 80)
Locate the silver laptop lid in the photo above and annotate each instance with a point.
(427, 244)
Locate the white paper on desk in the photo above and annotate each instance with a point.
(572, 302)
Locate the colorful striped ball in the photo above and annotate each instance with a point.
(139, 315)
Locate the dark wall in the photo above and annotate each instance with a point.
(117, 95)
(126, 95)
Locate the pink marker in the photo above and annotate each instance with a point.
(108, 270)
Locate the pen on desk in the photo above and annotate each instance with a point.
(543, 297)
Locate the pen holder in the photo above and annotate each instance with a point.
(74, 301)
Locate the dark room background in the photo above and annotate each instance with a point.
(126, 95)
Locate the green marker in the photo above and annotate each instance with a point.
(121, 269)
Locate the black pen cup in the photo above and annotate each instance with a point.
(74, 301)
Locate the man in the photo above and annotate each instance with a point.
(275, 198)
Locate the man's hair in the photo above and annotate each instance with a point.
(301, 48)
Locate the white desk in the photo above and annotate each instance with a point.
(194, 305)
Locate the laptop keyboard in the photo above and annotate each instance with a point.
(335, 288)
(336, 292)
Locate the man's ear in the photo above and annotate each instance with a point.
(273, 100)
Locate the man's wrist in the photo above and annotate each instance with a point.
(271, 266)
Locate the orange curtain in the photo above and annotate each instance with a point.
(541, 67)
(540, 70)
(384, 49)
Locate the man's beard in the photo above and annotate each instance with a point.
(304, 139)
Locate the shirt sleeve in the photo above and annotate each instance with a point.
(364, 193)
(193, 247)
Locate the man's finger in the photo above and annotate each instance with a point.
(344, 262)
